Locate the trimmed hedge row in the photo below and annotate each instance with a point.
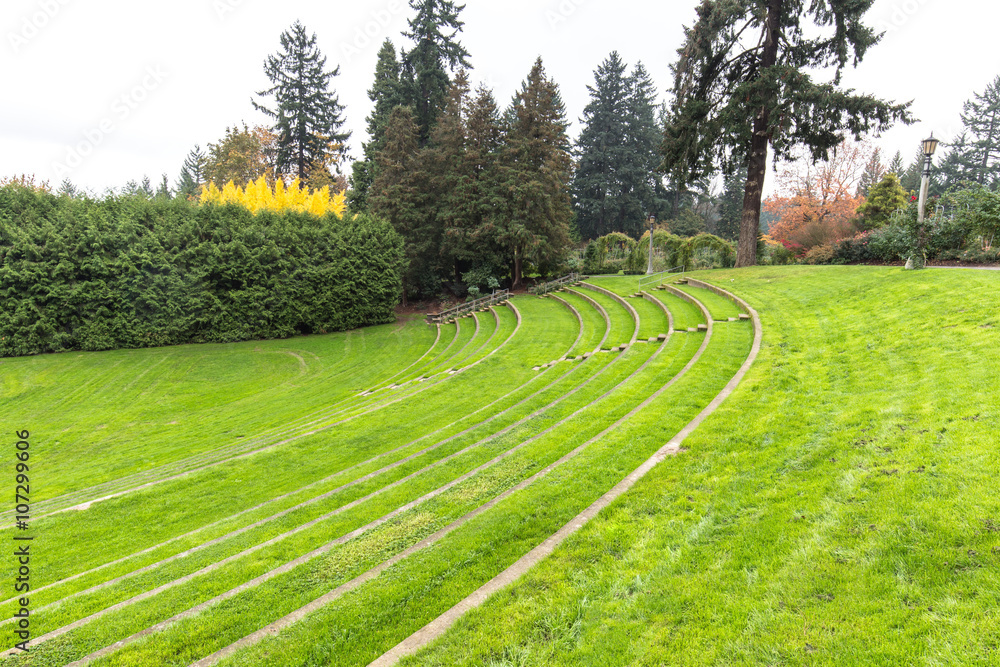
(128, 272)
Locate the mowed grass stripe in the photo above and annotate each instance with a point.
(452, 336)
(468, 331)
(686, 315)
(550, 429)
(620, 301)
(845, 483)
(595, 325)
(621, 325)
(434, 630)
(553, 377)
(574, 350)
(430, 351)
(720, 307)
(651, 317)
(488, 327)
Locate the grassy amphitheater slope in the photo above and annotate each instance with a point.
(838, 509)
(445, 472)
(167, 403)
(548, 336)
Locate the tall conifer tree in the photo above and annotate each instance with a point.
(387, 94)
(535, 179)
(615, 185)
(399, 195)
(742, 86)
(192, 173)
(307, 114)
(436, 52)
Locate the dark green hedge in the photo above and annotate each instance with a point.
(128, 272)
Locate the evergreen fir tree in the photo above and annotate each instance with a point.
(646, 135)
(896, 166)
(307, 115)
(981, 117)
(435, 53)
(444, 163)
(910, 178)
(480, 193)
(67, 189)
(163, 192)
(192, 173)
(958, 167)
(535, 177)
(731, 205)
(873, 173)
(614, 186)
(387, 94)
(742, 85)
(398, 194)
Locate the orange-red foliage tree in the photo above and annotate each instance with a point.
(819, 205)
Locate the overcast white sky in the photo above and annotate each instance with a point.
(104, 91)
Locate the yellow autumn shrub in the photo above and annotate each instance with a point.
(259, 196)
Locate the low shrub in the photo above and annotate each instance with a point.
(821, 254)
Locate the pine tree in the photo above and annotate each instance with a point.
(731, 205)
(163, 191)
(742, 85)
(614, 187)
(981, 117)
(873, 173)
(646, 135)
(958, 168)
(480, 194)
(387, 94)
(307, 115)
(435, 53)
(67, 189)
(398, 194)
(910, 179)
(896, 166)
(535, 177)
(192, 173)
(444, 163)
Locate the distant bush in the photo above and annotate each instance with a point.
(129, 272)
(821, 254)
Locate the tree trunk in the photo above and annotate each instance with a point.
(517, 268)
(746, 251)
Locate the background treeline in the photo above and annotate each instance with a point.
(127, 272)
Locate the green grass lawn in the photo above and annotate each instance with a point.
(838, 509)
